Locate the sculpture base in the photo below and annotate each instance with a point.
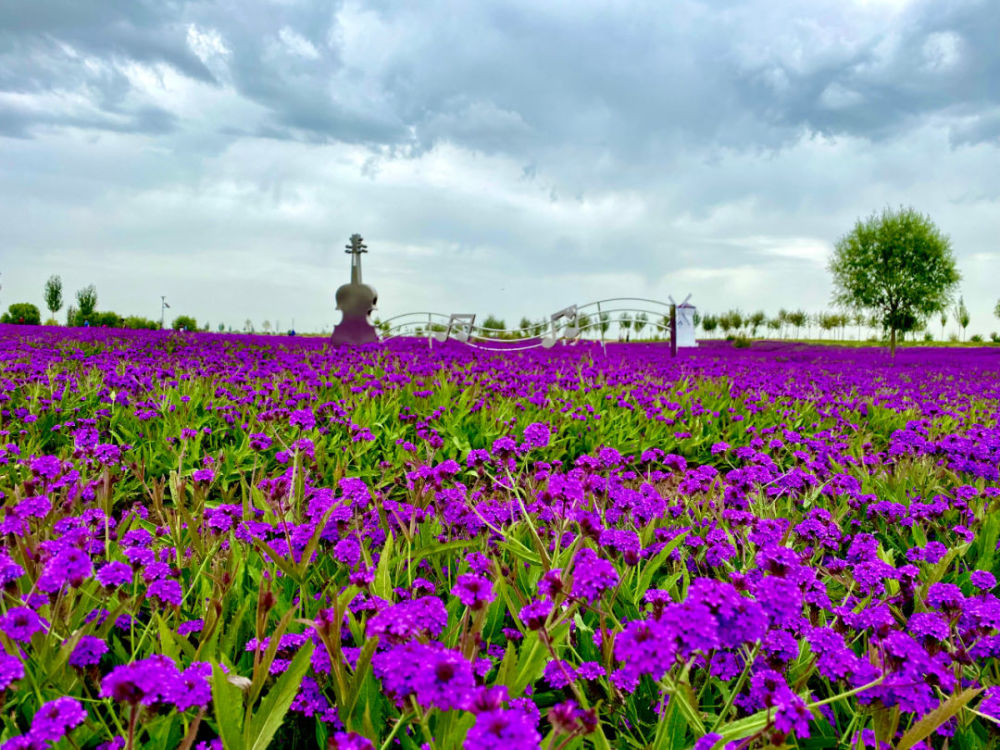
(354, 331)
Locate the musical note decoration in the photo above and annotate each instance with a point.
(355, 300)
(569, 329)
(461, 323)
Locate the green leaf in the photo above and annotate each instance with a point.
(167, 643)
(288, 567)
(534, 655)
(923, 728)
(438, 549)
(360, 672)
(646, 578)
(273, 708)
(227, 702)
(520, 551)
(383, 582)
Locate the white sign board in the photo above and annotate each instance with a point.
(685, 325)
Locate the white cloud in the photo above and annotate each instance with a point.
(298, 44)
(942, 51)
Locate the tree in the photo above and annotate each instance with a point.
(22, 313)
(605, 322)
(783, 317)
(640, 322)
(755, 321)
(996, 310)
(53, 294)
(897, 265)
(774, 324)
(494, 325)
(222, 327)
(735, 320)
(725, 323)
(184, 323)
(709, 323)
(524, 327)
(962, 315)
(624, 324)
(86, 303)
(859, 320)
(797, 319)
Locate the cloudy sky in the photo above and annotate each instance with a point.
(497, 157)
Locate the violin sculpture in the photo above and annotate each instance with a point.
(355, 301)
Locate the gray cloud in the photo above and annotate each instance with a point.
(716, 146)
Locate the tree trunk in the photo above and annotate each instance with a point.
(892, 342)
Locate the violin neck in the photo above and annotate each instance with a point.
(356, 268)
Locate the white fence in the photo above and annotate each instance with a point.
(568, 324)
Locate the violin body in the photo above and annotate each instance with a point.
(355, 302)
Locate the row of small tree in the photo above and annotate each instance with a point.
(84, 313)
(826, 324)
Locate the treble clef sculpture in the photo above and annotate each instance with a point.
(355, 301)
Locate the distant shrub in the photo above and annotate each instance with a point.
(139, 323)
(995, 337)
(976, 338)
(104, 319)
(928, 336)
(22, 313)
(186, 322)
(741, 342)
(953, 337)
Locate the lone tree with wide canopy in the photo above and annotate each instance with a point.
(897, 266)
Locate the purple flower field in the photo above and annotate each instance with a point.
(235, 541)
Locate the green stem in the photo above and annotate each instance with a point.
(396, 728)
(848, 694)
(737, 688)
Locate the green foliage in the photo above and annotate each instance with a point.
(798, 318)
(605, 322)
(731, 321)
(640, 322)
(962, 315)
(137, 322)
(86, 301)
(102, 319)
(54, 294)
(709, 323)
(22, 313)
(897, 266)
(185, 322)
(494, 325)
